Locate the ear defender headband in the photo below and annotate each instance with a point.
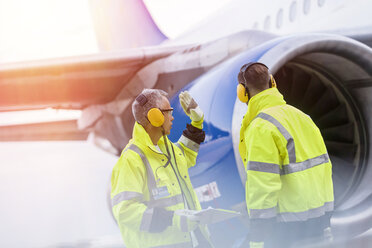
(242, 90)
(154, 115)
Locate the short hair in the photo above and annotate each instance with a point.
(154, 98)
(256, 76)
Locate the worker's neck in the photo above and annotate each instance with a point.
(254, 92)
(155, 134)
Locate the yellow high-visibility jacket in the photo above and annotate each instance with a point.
(289, 173)
(144, 184)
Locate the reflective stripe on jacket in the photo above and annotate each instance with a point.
(289, 173)
(143, 180)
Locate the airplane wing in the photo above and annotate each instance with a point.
(68, 83)
(75, 82)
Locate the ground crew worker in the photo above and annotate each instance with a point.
(150, 181)
(289, 189)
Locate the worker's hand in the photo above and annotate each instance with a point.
(256, 244)
(185, 223)
(192, 109)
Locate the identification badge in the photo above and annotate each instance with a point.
(160, 192)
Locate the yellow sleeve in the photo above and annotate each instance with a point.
(189, 149)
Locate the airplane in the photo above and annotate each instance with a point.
(326, 74)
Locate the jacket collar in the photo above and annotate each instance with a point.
(263, 100)
(140, 136)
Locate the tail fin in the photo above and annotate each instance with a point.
(123, 24)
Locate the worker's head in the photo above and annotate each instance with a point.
(253, 78)
(152, 110)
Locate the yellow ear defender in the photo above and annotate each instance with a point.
(242, 93)
(272, 81)
(155, 117)
(241, 90)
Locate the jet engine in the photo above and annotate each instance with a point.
(326, 76)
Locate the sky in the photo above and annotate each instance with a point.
(36, 29)
(39, 29)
